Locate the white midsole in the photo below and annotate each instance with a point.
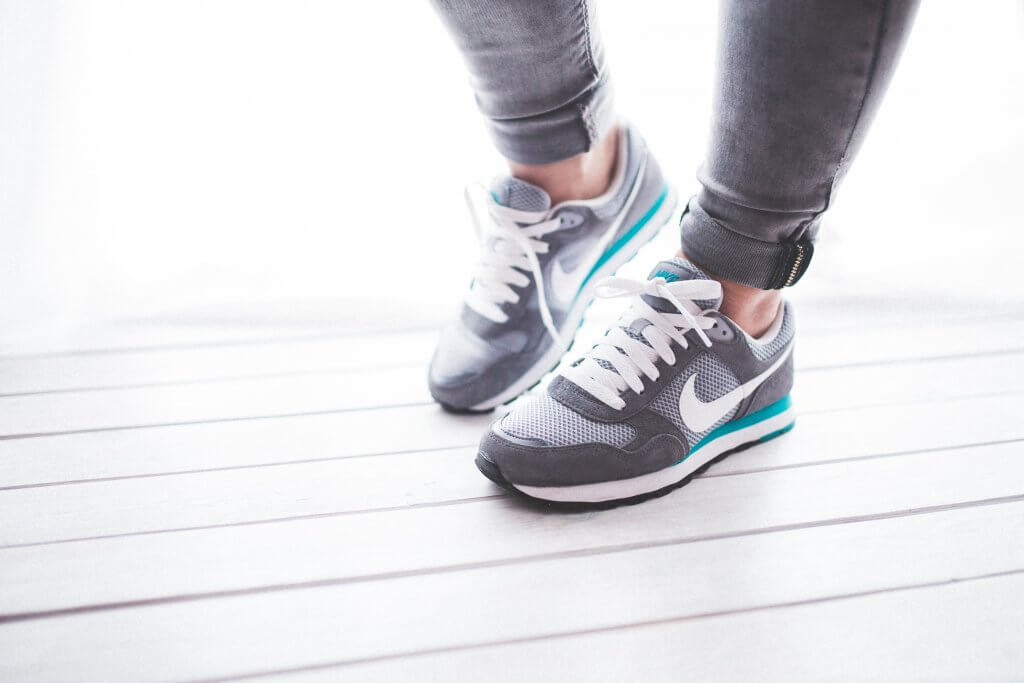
(572, 321)
(655, 481)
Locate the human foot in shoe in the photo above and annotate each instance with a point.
(674, 386)
(538, 270)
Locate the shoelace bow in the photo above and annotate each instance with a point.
(629, 357)
(509, 242)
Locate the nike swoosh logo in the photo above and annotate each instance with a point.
(700, 416)
(565, 285)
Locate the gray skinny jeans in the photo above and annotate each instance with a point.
(798, 83)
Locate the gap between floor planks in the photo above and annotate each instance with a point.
(445, 476)
(63, 414)
(955, 630)
(825, 314)
(415, 616)
(206, 366)
(427, 478)
(429, 540)
(97, 455)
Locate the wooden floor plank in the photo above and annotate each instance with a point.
(186, 333)
(824, 306)
(237, 496)
(163, 366)
(233, 444)
(293, 530)
(881, 430)
(384, 619)
(128, 369)
(963, 631)
(227, 400)
(328, 487)
(196, 363)
(428, 539)
(303, 394)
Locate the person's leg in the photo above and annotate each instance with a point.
(798, 84)
(582, 196)
(539, 75)
(701, 364)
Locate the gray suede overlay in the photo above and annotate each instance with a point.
(657, 445)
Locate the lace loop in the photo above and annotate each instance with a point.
(617, 361)
(510, 241)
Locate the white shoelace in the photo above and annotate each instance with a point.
(630, 357)
(509, 243)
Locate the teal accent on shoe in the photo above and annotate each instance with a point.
(667, 276)
(769, 411)
(778, 432)
(625, 237)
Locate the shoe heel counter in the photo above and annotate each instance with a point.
(652, 198)
(773, 389)
(654, 182)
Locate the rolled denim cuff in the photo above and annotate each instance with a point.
(732, 255)
(559, 134)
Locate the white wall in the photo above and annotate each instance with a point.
(259, 159)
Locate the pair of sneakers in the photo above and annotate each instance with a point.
(673, 386)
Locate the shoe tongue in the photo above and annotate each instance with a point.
(677, 269)
(519, 194)
(674, 270)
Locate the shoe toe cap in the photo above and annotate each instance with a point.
(543, 443)
(466, 369)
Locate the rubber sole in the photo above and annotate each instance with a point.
(455, 410)
(780, 420)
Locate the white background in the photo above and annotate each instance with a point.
(302, 163)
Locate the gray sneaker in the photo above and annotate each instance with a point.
(673, 387)
(536, 277)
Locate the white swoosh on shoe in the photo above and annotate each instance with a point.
(565, 284)
(699, 416)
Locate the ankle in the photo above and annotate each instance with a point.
(753, 309)
(583, 176)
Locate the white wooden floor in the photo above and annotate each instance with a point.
(200, 506)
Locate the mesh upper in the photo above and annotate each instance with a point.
(545, 418)
(713, 380)
(548, 420)
(519, 194)
(636, 335)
